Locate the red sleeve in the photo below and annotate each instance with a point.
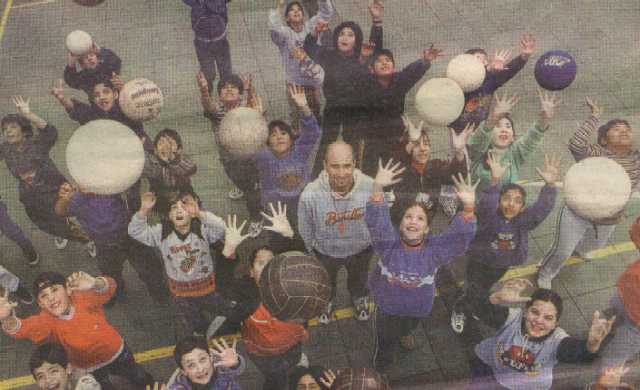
(95, 298)
(36, 328)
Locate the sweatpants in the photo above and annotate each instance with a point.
(13, 232)
(195, 313)
(276, 368)
(357, 271)
(572, 233)
(244, 175)
(389, 329)
(125, 366)
(212, 55)
(479, 279)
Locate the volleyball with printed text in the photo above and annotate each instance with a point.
(295, 286)
(141, 100)
(555, 70)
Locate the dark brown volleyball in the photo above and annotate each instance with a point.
(360, 379)
(295, 286)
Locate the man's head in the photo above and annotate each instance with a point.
(294, 13)
(16, 129)
(104, 94)
(512, 200)
(50, 368)
(194, 359)
(383, 65)
(616, 135)
(480, 55)
(230, 89)
(280, 137)
(414, 224)
(339, 165)
(347, 38)
(258, 260)
(52, 294)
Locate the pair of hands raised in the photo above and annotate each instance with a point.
(550, 171)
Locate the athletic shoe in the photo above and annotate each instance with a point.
(544, 282)
(255, 228)
(91, 248)
(457, 322)
(325, 317)
(235, 194)
(408, 342)
(35, 261)
(60, 243)
(24, 295)
(304, 360)
(362, 308)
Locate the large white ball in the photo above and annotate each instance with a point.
(243, 132)
(467, 71)
(597, 188)
(440, 101)
(79, 42)
(105, 157)
(141, 100)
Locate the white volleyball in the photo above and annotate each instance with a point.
(597, 188)
(440, 101)
(79, 42)
(467, 71)
(243, 132)
(105, 157)
(141, 100)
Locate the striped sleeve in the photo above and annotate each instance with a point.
(580, 144)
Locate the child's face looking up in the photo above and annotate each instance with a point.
(383, 66)
(346, 40)
(179, 214)
(104, 97)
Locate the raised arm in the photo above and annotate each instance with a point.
(524, 146)
(65, 195)
(536, 213)
(139, 229)
(207, 102)
(377, 215)
(280, 32)
(580, 144)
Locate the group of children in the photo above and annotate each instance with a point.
(371, 194)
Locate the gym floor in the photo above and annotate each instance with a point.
(154, 40)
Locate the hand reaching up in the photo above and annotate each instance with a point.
(511, 292)
(232, 235)
(551, 169)
(465, 190)
(279, 222)
(387, 175)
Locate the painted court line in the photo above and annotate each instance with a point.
(5, 17)
(164, 352)
(28, 5)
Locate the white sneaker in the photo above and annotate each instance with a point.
(255, 228)
(325, 317)
(544, 282)
(60, 243)
(362, 308)
(91, 248)
(457, 322)
(235, 194)
(304, 360)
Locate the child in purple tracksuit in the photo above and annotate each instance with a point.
(402, 283)
(502, 238)
(283, 165)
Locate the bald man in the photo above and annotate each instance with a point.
(331, 223)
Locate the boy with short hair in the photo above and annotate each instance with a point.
(184, 238)
(72, 315)
(50, 368)
(201, 367)
(82, 71)
(383, 127)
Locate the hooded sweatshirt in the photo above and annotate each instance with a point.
(334, 224)
(223, 378)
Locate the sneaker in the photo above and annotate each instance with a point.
(457, 322)
(325, 317)
(255, 228)
(408, 342)
(60, 243)
(235, 194)
(544, 282)
(304, 360)
(91, 248)
(24, 295)
(362, 308)
(35, 261)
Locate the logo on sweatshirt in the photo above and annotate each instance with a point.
(334, 217)
(518, 359)
(504, 242)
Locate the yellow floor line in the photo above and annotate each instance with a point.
(164, 352)
(28, 5)
(5, 17)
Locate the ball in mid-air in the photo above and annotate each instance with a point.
(243, 132)
(440, 101)
(467, 71)
(141, 100)
(555, 70)
(79, 42)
